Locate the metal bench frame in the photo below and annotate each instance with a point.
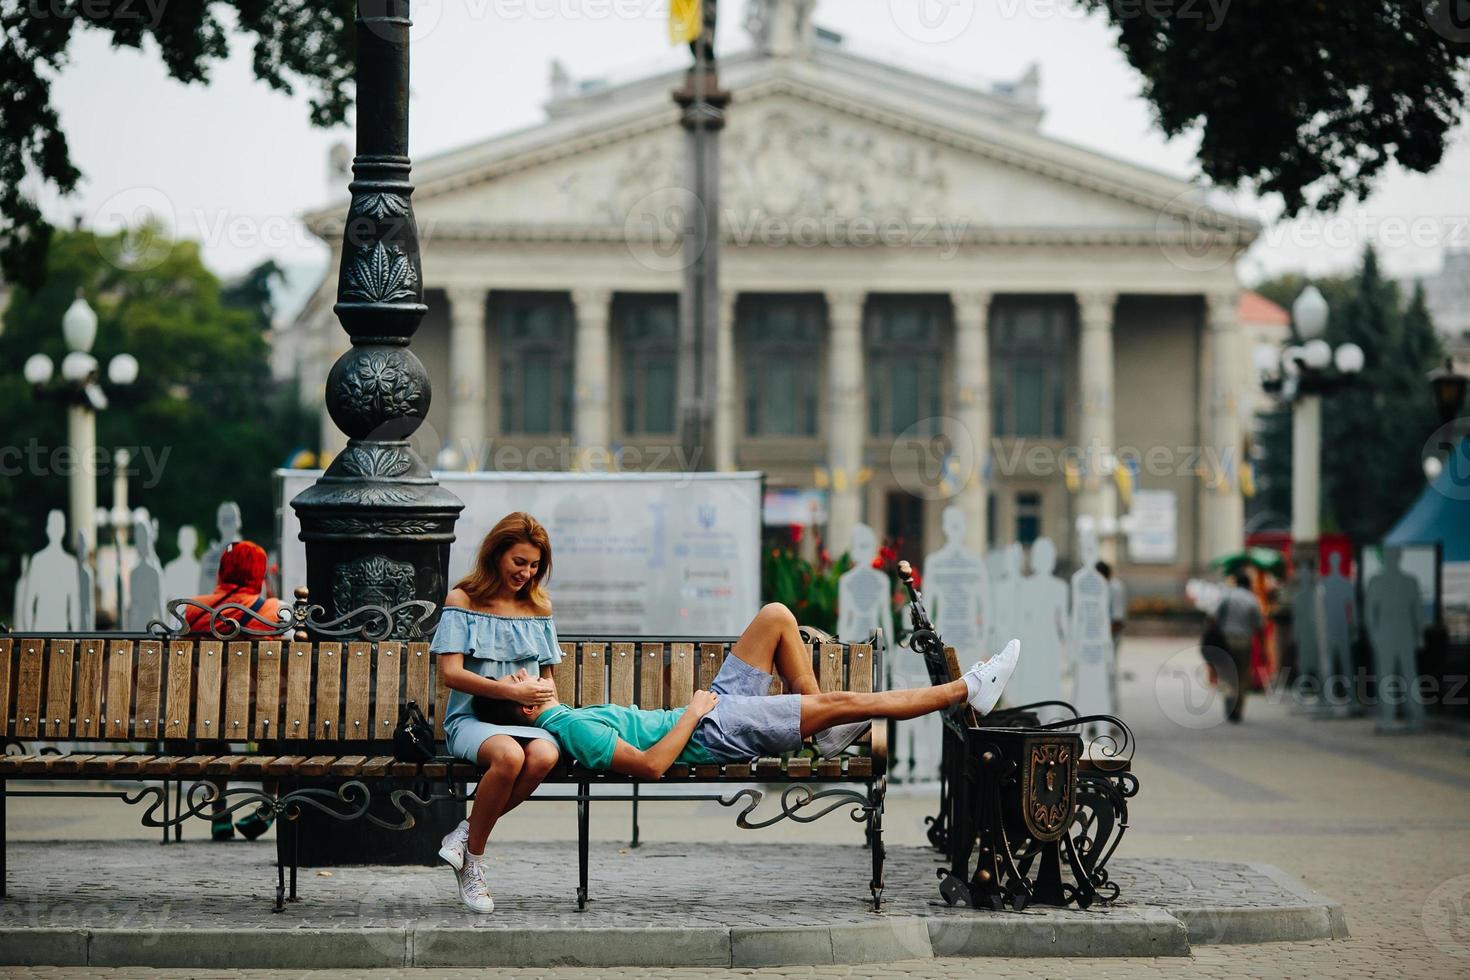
(176, 694)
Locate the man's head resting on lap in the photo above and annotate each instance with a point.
(502, 712)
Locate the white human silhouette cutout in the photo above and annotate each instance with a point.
(181, 576)
(1394, 614)
(956, 590)
(22, 585)
(145, 583)
(1090, 634)
(1339, 613)
(86, 587)
(1041, 626)
(1005, 620)
(862, 592)
(1306, 623)
(53, 591)
(227, 521)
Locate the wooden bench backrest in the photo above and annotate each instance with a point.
(269, 691)
(655, 674)
(63, 688)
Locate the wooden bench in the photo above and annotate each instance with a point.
(303, 714)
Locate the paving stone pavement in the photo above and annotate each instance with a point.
(1378, 823)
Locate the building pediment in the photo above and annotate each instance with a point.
(802, 147)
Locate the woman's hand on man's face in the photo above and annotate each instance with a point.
(530, 690)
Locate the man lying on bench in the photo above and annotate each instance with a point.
(736, 720)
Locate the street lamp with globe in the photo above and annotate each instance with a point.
(81, 390)
(1301, 375)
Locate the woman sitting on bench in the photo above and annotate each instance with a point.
(736, 720)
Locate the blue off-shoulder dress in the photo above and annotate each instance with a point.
(495, 647)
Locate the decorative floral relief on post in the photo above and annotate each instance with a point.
(372, 580)
(382, 461)
(380, 205)
(377, 388)
(382, 274)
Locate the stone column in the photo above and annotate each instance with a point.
(727, 399)
(592, 422)
(846, 413)
(1095, 436)
(468, 404)
(1223, 512)
(972, 405)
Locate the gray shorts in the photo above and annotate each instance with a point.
(748, 723)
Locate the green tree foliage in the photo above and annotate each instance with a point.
(204, 409)
(1373, 434)
(1308, 99)
(306, 43)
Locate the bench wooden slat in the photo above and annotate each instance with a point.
(163, 765)
(253, 766)
(799, 767)
(711, 659)
(385, 689)
(859, 765)
(403, 770)
(89, 690)
(107, 765)
(298, 692)
(564, 674)
(356, 722)
(28, 689)
(284, 765)
(56, 720)
(206, 700)
(593, 689)
(224, 765)
(327, 698)
(768, 767)
(12, 763)
(829, 768)
(829, 667)
(651, 677)
(6, 646)
(268, 689)
(620, 666)
(737, 770)
(378, 765)
(416, 671)
(238, 668)
(178, 706)
(348, 765)
(860, 667)
(681, 674)
(710, 771)
(119, 710)
(65, 764)
(441, 705)
(150, 678)
(316, 765)
(192, 765)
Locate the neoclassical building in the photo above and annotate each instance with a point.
(924, 302)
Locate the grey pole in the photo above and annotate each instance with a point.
(702, 115)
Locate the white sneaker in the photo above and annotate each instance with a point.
(473, 890)
(830, 742)
(452, 847)
(992, 676)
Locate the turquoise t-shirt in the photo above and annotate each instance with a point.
(591, 734)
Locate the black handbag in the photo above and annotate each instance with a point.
(413, 739)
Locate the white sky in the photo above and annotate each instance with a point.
(233, 163)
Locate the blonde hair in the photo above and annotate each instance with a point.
(484, 580)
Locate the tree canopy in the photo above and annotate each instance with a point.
(204, 420)
(297, 43)
(1307, 99)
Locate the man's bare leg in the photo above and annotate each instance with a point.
(821, 711)
(772, 643)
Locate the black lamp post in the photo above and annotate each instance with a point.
(377, 526)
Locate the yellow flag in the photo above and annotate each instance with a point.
(686, 20)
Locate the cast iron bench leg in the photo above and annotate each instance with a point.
(280, 866)
(634, 842)
(875, 842)
(583, 799)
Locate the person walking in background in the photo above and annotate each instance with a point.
(1238, 617)
(240, 581)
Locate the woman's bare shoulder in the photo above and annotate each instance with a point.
(458, 598)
